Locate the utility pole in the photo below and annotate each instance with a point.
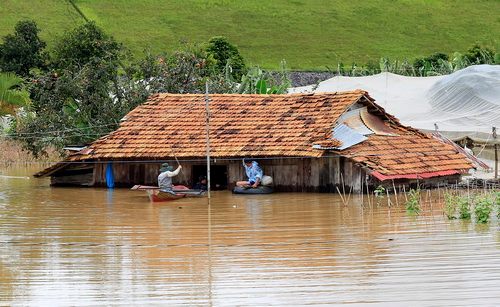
(207, 128)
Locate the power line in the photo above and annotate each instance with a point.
(54, 131)
(212, 160)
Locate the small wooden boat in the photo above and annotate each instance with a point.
(178, 191)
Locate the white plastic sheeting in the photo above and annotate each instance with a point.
(465, 103)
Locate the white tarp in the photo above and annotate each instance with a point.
(465, 103)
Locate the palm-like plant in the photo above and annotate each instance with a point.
(11, 96)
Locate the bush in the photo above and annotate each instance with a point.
(258, 81)
(429, 64)
(483, 208)
(497, 203)
(464, 211)
(480, 55)
(413, 203)
(12, 94)
(450, 206)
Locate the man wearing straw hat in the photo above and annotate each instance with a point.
(165, 177)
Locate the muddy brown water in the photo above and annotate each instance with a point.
(71, 246)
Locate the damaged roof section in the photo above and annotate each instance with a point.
(347, 136)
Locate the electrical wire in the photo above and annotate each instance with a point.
(213, 160)
(54, 131)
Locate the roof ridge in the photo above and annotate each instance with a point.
(357, 91)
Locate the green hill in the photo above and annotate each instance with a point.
(309, 34)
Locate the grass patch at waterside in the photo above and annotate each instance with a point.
(309, 34)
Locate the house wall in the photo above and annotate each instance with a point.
(289, 175)
(78, 174)
(130, 174)
(328, 174)
(294, 175)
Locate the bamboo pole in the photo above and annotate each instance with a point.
(349, 195)
(395, 192)
(362, 193)
(404, 192)
(338, 190)
(439, 195)
(367, 192)
(494, 130)
(343, 184)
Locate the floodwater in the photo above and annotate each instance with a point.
(69, 246)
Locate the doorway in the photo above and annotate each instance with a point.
(218, 175)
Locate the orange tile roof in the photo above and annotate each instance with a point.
(270, 126)
(407, 155)
(240, 125)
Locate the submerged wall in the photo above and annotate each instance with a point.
(328, 174)
(289, 174)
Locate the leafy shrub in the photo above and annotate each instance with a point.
(429, 63)
(379, 194)
(497, 203)
(257, 81)
(478, 54)
(483, 208)
(464, 208)
(12, 95)
(450, 206)
(413, 203)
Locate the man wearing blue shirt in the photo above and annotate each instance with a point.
(254, 174)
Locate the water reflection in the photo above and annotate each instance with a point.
(70, 246)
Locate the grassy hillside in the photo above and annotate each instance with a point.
(309, 34)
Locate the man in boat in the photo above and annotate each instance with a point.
(165, 177)
(254, 174)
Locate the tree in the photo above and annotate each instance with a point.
(83, 45)
(22, 50)
(183, 71)
(226, 54)
(78, 106)
(11, 95)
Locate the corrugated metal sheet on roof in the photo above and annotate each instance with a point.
(349, 137)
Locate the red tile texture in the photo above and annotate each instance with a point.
(240, 125)
(407, 154)
(268, 126)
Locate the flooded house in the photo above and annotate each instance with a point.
(306, 142)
